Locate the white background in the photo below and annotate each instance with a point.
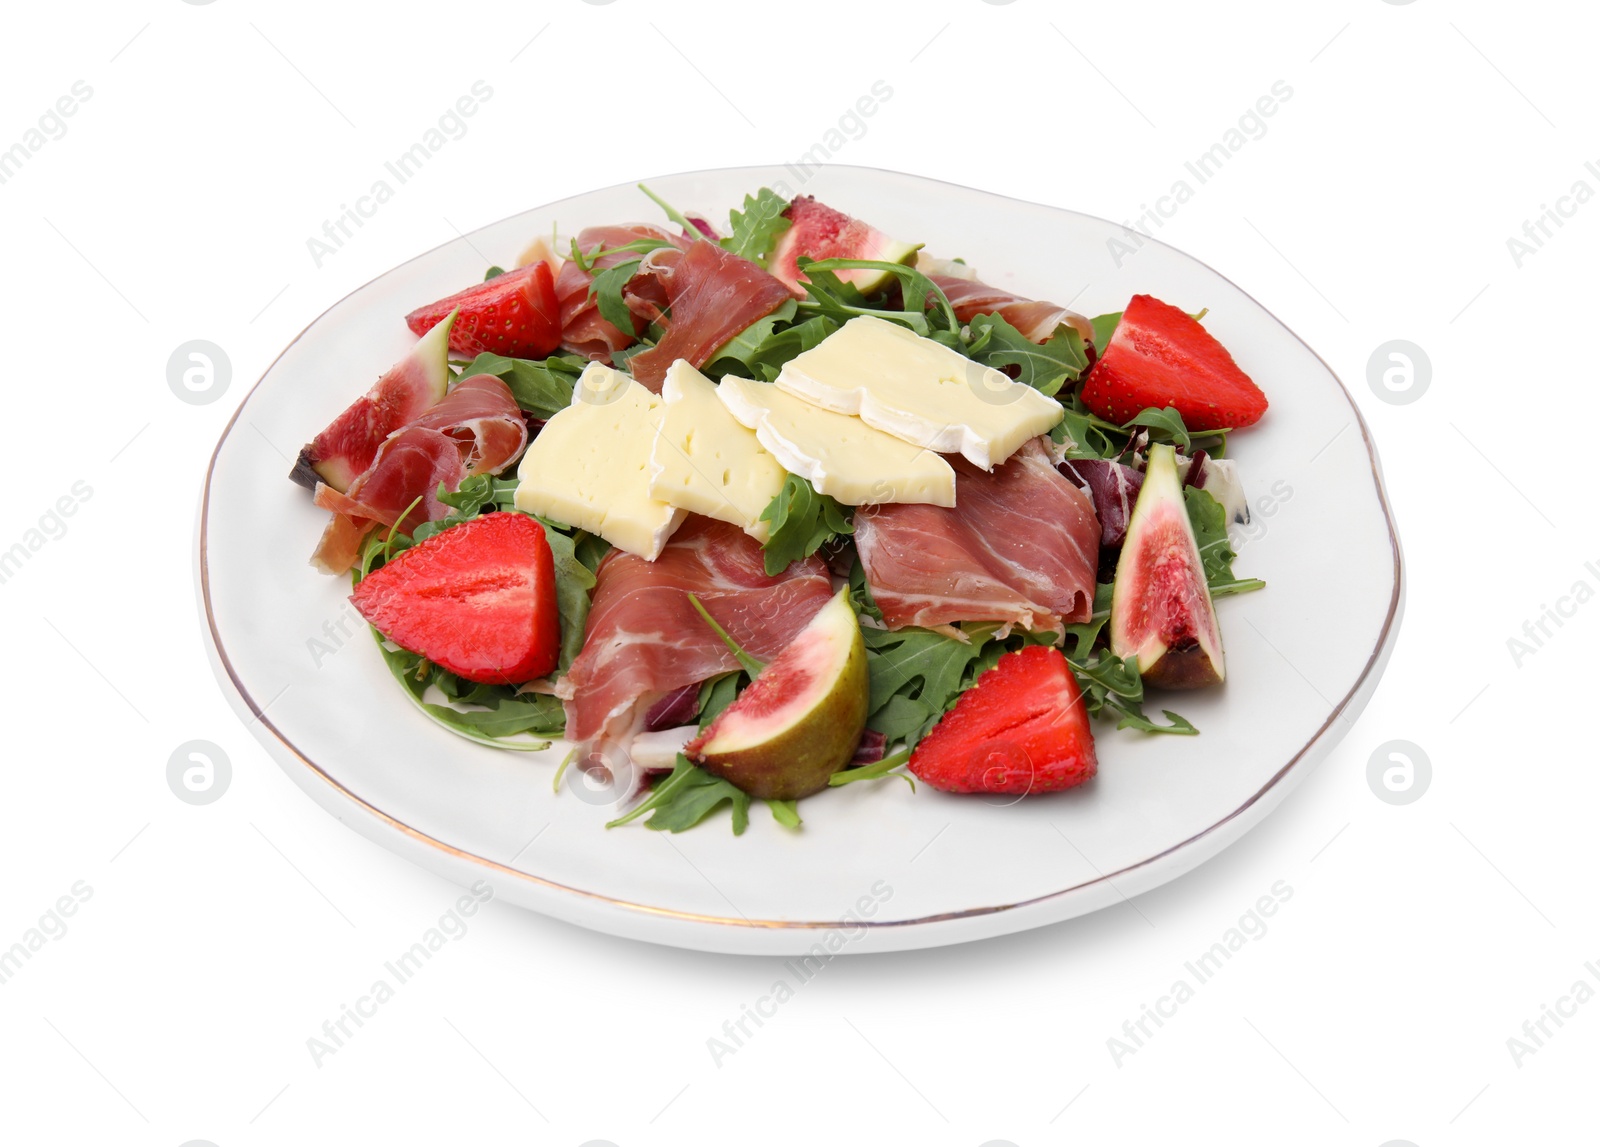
(217, 939)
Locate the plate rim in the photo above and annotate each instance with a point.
(1373, 665)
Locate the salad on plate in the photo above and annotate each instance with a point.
(749, 513)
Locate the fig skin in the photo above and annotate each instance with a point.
(1185, 665)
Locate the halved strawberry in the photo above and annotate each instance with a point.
(1021, 728)
(1160, 356)
(515, 314)
(478, 599)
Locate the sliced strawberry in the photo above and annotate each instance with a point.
(1160, 356)
(478, 599)
(1021, 728)
(515, 314)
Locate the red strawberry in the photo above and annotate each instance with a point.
(1159, 356)
(478, 599)
(1021, 728)
(515, 314)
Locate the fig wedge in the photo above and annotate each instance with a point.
(1161, 608)
(799, 721)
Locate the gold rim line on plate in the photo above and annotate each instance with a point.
(424, 838)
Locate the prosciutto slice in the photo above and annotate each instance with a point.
(714, 294)
(644, 640)
(583, 330)
(475, 429)
(409, 465)
(484, 419)
(1020, 547)
(1036, 320)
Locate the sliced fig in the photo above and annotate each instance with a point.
(411, 386)
(819, 232)
(800, 720)
(1161, 609)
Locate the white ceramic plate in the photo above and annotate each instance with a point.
(876, 867)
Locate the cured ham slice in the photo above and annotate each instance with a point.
(1020, 547)
(484, 419)
(583, 330)
(714, 294)
(409, 465)
(475, 429)
(1036, 320)
(644, 641)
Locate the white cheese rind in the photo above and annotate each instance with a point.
(838, 454)
(705, 461)
(589, 466)
(919, 390)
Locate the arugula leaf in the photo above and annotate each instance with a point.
(757, 227)
(687, 796)
(915, 675)
(1112, 687)
(1167, 424)
(745, 346)
(801, 521)
(467, 500)
(673, 214)
(574, 580)
(784, 345)
(785, 813)
(1043, 366)
(541, 387)
(476, 492)
(833, 296)
(606, 289)
(861, 592)
(493, 273)
(716, 694)
(1104, 327)
(1086, 435)
(534, 713)
(1210, 524)
(587, 259)
(1086, 633)
(621, 358)
(509, 716)
(877, 770)
(751, 665)
(590, 549)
